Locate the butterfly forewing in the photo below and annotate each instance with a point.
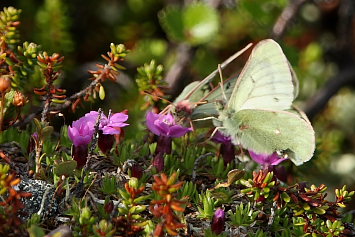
(194, 97)
(267, 131)
(266, 80)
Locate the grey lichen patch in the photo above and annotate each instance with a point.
(42, 201)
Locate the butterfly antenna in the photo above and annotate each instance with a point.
(221, 83)
(159, 97)
(214, 73)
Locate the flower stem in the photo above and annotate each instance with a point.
(39, 148)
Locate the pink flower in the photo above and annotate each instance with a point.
(110, 125)
(81, 131)
(165, 125)
(266, 159)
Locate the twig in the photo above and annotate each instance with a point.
(43, 201)
(317, 103)
(286, 18)
(78, 95)
(47, 102)
(175, 74)
(223, 65)
(95, 137)
(102, 202)
(343, 56)
(345, 22)
(68, 102)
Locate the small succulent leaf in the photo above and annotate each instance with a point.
(65, 168)
(46, 131)
(102, 93)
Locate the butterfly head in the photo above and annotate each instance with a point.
(185, 108)
(220, 105)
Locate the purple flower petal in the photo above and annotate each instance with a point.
(168, 119)
(278, 161)
(118, 118)
(93, 117)
(110, 130)
(114, 123)
(220, 138)
(219, 213)
(72, 133)
(178, 131)
(92, 114)
(81, 131)
(151, 118)
(165, 125)
(162, 127)
(266, 159)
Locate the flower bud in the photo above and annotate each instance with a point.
(158, 161)
(136, 171)
(32, 143)
(19, 99)
(5, 84)
(218, 221)
(227, 151)
(108, 207)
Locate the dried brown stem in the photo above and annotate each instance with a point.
(47, 102)
(175, 75)
(319, 101)
(285, 19)
(343, 56)
(68, 102)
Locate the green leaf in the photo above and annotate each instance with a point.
(37, 123)
(196, 24)
(200, 23)
(171, 19)
(65, 168)
(46, 131)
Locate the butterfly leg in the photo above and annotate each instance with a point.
(214, 131)
(204, 119)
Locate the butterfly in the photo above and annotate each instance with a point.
(258, 114)
(255, 109)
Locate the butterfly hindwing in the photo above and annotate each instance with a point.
(267, 131)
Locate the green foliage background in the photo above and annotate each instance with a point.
(81, 30)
